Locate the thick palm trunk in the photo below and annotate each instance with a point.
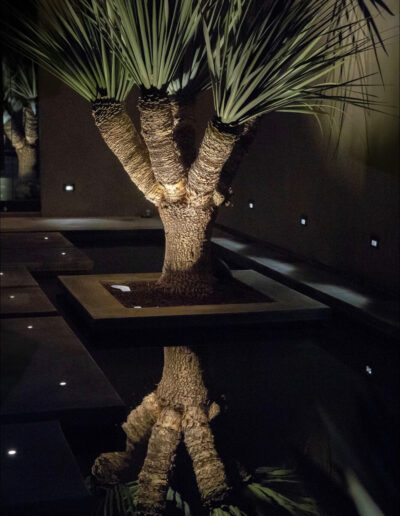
(27, 157)
(187, 265)
(179, 409)
(24, 142)
(157, 130)
(121, 136)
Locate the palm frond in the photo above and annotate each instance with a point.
(120, 500)
(281, 57)
(64, 39)
(19, 81)
(151, 37)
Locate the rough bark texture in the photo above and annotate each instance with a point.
(186, 266)
(27, 157)
(182, 384)
(157, 130)
(30, 126)
(14, 134)
(159, 461)
(184, 129)
(179, 408)
(204, 174)
(180, 405)
(121, 136)
(24, 141)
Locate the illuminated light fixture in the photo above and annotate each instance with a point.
(30, 327)
(137, 307)
(1, 273)
(63, 384)
(303, 221)
(374, 242)
(368, 369)
(45, 238)
(251, 204)
(11, 297)
(63, 253)
(69, 187)
(11, 452)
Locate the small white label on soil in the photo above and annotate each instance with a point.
(122, 288)
(137, 307)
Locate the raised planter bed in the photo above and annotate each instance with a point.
(104, 311)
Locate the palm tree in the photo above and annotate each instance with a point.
(19, 97)
(257, 57)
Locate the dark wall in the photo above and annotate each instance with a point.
(72, 151)
(287, 176)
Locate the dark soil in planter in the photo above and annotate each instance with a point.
(147, 294)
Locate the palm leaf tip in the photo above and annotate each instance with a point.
(151, 38)
(280, 58)
(66, 39)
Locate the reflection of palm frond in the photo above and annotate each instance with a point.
(272, 491)
(152, 36)
(120, 499)
(67, 43)
(19, 80)
(276, 58)
(272, 487)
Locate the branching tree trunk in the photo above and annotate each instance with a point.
(187, 198)
(24, 140)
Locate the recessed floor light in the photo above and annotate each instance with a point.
(63, 384)
(12, 297)
(63, 253)
(303, 221)
(30, 327)
(11, 452)
(374, 242)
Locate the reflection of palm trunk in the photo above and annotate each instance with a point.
(179, 409)
(27, 158)
(24, 140)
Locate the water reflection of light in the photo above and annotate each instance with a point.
(343, 293)
(277, 265)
